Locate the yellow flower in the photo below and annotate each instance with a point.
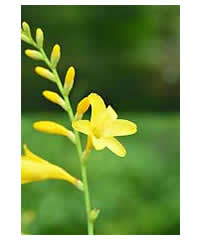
(104, 126)
(34, 168)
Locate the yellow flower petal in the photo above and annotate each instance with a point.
(115, 146)
(83, 126)
(34, 168)
(111, 112)
(120, 127)
(32, 171)
(32, 156)
(98, 106)
(98, 143)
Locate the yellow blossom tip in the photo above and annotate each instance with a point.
(83, 105)
(26, 29)
(53, 128)
(45, 73)
(53, 97)
(56, 49)
(55, 55)
(39, 37)
(69, 78)
(33, 54)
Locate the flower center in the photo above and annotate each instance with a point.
(97, 132)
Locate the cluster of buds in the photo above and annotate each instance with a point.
(35, 168)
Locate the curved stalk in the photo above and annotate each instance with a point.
(78, 144)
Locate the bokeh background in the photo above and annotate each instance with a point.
(130, 56)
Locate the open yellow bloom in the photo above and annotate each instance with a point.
(104, 126)
(34, 168)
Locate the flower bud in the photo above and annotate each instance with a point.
(54, 97)
(25, 38)
(26, 29)
(55, 55)
(82, 107)
(53, 128)
(94, 213)
(39, 37)
(45, 73)
(69, 80)
(34, 54)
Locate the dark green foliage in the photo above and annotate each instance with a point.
(129, 52)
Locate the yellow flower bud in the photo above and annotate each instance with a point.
(25, 38)
(26, 29)
(69, 79)
(55, 55)
(53, 128)
(45, 73)
(54, 97)
(39, 37)
(33, 54)
(83, 105)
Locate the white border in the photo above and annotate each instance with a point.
(102, 237)
(10, 120)
(108, 2)
(11, 111)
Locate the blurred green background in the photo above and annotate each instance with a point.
(130, 56)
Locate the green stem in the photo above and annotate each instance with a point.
(78, 145)
(83, 172)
